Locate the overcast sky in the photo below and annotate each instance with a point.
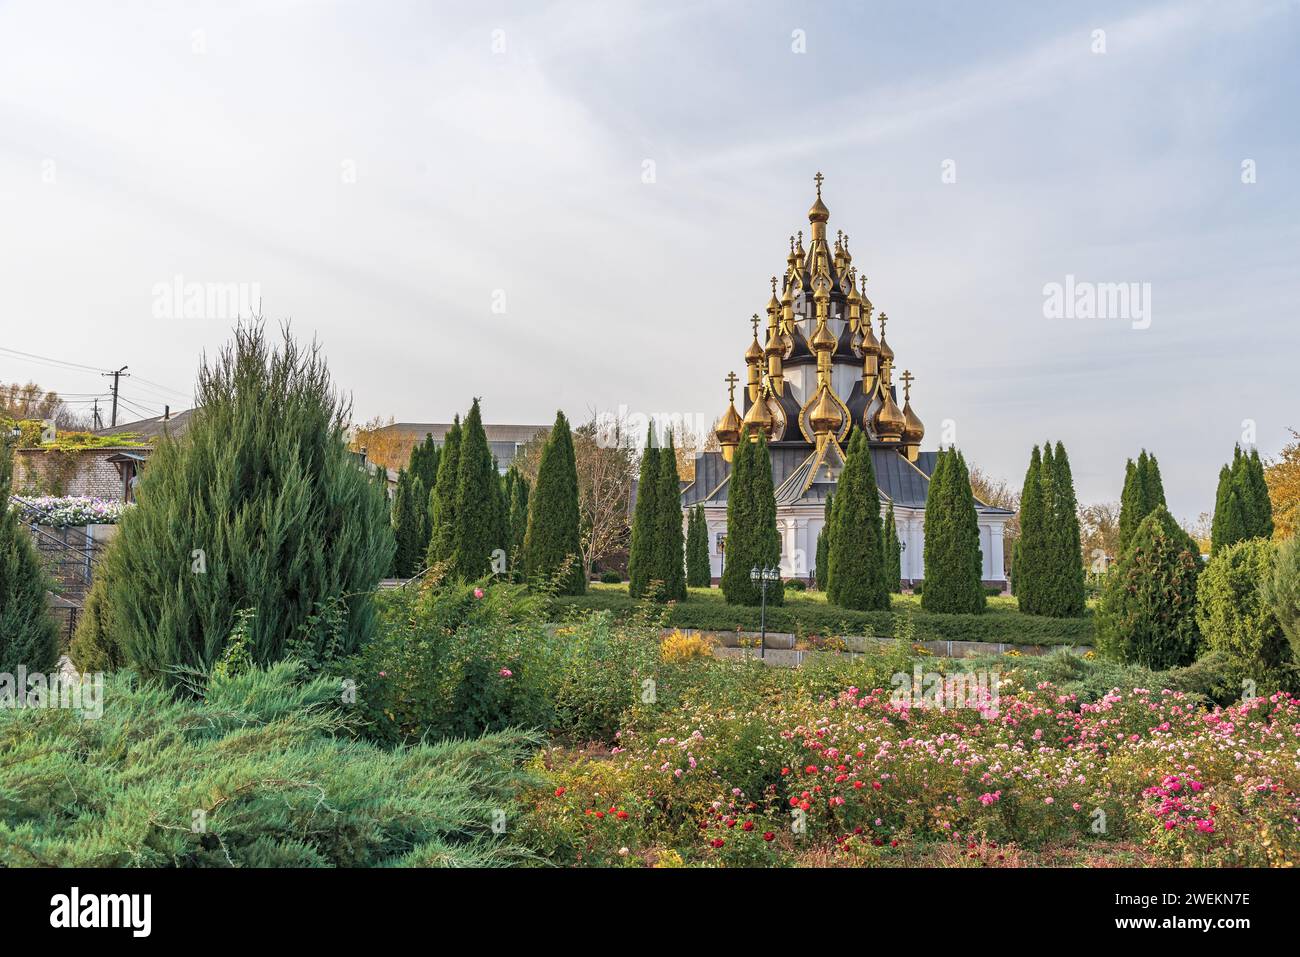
(454, 199)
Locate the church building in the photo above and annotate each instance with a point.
(819, 371)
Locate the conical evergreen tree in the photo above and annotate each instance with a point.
(767, 540)
(478, 522)
(823, 569)
(953, 561)
(641, 551)
(740, 554)
(698, 572)
(1143, 493)
(409, 519)
(1147, 614)
(669, 554)
(28, 635)
(424, 461)
(518, 518)
(1031, 546)
(893, 553)
(752, 538)
(1062, 595)
(261, 507)
(553, 535)
(1263, 509)
(857, 577)
(442, 499)
(1218, 531)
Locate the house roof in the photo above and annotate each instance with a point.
(495, 433)
(147, 430)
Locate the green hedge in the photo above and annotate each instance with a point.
(812, 615)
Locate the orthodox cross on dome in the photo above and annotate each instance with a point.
(818, 180)
(731, 381)
(883, 319)
(907, 380)
(792, 244)
(773, 287)
(863, 282)
(754, 323)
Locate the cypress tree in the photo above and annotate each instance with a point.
(640, 558)
(1143, 493)
(478, 525)
(953, 561)
(442, 499)
(857, 577)
(261, 507)
(698, 572)
(1063, 593)
(1218, 531)
(752, 538)
(740, 555)
(668, 545)
(1263, 504)
(893, 553)
(553, 526)
(1147, 614)
(767, 540)
(424, 461)
(409, 519)
(518, 517)
(823, 545)
(1031, 546)
(28, 635)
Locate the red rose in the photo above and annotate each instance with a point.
(769, 836)
(747, 826)
(559, 792)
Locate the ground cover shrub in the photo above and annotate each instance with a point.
(260, 771)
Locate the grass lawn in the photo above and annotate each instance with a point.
(808, 613)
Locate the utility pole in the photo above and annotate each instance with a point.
(96, 413)
(116, 375)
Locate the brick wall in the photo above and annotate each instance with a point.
(36, 470)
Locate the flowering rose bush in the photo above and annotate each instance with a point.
(858, 771)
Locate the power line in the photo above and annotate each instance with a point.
(61, 362)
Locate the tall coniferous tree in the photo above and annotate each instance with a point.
(739, 556)
(953, 561)
(1031, 545)
(478, 522)
(518, 523)
(893, 553)
(1143, 493)
(553, 535)
(442, 499)
(1263, 504)
(28, 635)
(641, 551)
(266, 440)
(1064, 597)
(823, 569)
(424, 461)
(857, 577)
(699, 574)
(410, 522)
(767, 540)
(669, 552)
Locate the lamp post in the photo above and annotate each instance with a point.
(763, 576)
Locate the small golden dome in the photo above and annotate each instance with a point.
(822, 340)
(913, 430)
(728, 430)
(889, 421)
(817, 212)
(826, 415)
(775, 343)
(870, 346)
(755, 352)
(758, 419)
(886, 353)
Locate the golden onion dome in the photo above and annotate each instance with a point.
(728, 430)
(886, 353)
(817, 212)
(913, 430)
(775, 343)
(758, 419)
(822, 340)
(870, 345)
(826, 415)
(755, 352)
(889, 421)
